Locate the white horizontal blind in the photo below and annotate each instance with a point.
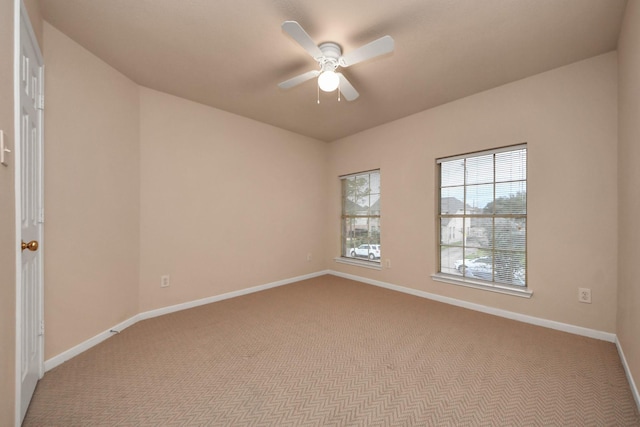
(482, 153)
(483, 215)
(351, 175)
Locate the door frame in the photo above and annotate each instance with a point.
(22, 21)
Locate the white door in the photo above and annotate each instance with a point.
(29, 213)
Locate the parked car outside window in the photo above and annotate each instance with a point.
(460, 265)
(366, 250)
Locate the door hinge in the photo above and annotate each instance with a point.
(41, 328)
(41, 216)
(40, 102)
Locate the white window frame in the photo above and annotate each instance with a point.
(490, 285)
(344, 258)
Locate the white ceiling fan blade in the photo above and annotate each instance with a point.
(300, 35)
(298, 79)
(347, 89)
(371, 50)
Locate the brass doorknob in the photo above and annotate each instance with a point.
(32, 245)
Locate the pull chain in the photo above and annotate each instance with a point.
(338, 93)
(318, 89)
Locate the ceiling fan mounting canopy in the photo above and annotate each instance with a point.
(329, 57)
(330, 50)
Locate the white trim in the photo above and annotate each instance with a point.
(86, 345)
(359, 173)
(184, 306)
(627, 370)
(483, 153)
(359, 262)
(565, 327)
(477, 284)
(17, 9)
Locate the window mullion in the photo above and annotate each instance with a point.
(493, 225)
(464, 218)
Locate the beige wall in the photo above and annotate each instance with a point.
(226, 202)
(7, 224)
(91, 195)
(628, 193)
(568, 118)
(218, 202)
(35, 16)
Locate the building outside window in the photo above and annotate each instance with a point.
(483, 216)
(360, 222)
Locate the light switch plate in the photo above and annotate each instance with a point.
(3, 150)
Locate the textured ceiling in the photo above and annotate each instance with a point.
(231, 54)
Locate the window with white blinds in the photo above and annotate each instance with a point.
(361, 216)
(483, 216)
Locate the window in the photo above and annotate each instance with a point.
(361, 216)
(483, 216)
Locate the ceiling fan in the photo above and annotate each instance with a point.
(329, 57)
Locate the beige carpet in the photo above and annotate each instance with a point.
(333, 352)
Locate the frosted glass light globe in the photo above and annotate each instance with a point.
(328, 81)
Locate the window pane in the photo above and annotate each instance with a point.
(351, 208)
(511, 166)
(347, 185)
(478, 197)
(511, 198)
(451, 200)
(372, 205)
(480, 170)
(449, 255)
(510, 267)
(356, 189)
(374, 182)
(452, 173)
(350, 237)
(451, 231)
(480, 268)
(479, 232)
(374, 231)
(511, 233)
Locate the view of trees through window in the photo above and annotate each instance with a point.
(361, 216)
(483, 216)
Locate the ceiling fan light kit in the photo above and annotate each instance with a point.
(329, 57)
(328, 81)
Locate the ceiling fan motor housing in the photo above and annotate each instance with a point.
(331, 54)
(331, 50)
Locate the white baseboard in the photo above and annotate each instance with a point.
(632, 383)
(86, 345)
(216, 298)
(565, 327)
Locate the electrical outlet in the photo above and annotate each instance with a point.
(584, 295)
(164, 281)
(309, 256)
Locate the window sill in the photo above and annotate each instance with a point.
(485, 286)
(374, 265)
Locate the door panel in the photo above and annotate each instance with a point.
(30, 174)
